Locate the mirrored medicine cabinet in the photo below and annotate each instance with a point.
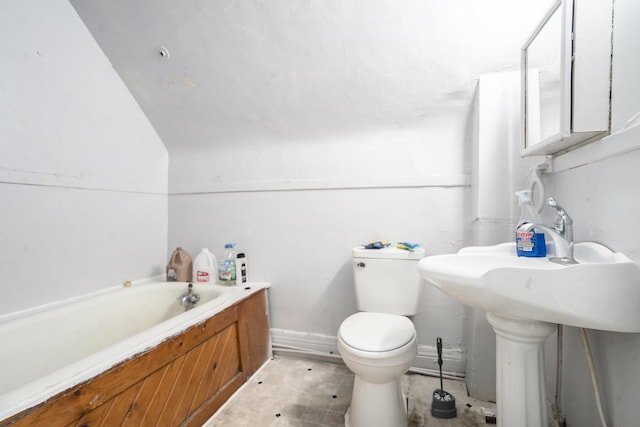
(566, 77)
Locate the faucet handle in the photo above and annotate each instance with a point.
(560, 212)
(552, 202)
(563, 222)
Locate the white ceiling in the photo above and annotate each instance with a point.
(254, 69)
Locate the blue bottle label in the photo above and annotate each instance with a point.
(530, 243)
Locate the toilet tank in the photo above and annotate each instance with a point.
(387, 280)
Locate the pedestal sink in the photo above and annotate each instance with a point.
(525, 298)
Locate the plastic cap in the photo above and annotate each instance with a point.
(524, 196)
(229, 245)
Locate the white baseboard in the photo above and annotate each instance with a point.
(304, 341)
(327, 345)
(453, 359)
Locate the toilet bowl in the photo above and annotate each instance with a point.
(378, 348)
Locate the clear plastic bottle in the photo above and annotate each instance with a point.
(227, 266)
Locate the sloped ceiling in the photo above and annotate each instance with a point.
(227, 71)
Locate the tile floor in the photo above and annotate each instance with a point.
(311, 393)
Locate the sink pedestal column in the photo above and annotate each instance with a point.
(520, 384)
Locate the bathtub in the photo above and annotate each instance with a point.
(50, 349)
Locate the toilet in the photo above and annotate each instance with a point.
(378, 344)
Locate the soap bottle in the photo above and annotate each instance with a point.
(205, 267)
(227, 266)
(179, 266)
(241, 268)
(529, 243)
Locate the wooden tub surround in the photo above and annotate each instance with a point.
(180, 382)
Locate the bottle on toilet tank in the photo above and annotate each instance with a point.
(205, 267)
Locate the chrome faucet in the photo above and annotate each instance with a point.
(189, 299)
(561, 234)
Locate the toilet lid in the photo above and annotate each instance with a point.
(376, 331)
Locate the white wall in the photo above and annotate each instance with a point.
(313, 124)
(598, 185)
(83, 174)
(328, 125)
(298, 219)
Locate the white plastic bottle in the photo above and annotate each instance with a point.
(227, 266)
(205, 268)
(241, 269)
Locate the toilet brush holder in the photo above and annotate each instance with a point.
(443, 405)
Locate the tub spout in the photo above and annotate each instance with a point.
(189, 299)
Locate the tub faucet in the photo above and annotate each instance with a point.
(189, 299)
(561, 234)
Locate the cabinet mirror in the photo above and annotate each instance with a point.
(565, 80)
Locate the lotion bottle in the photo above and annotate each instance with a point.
(241, 269)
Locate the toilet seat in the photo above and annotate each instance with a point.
(376, 332)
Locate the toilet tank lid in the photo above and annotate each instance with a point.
(376, 331)
(388, 253)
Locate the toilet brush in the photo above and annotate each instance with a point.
(443, 404)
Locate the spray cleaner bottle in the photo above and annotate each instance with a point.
(529, 243)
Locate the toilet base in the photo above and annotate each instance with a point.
(377, 404)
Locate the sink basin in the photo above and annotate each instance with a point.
(525, 297)
(601, 292)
